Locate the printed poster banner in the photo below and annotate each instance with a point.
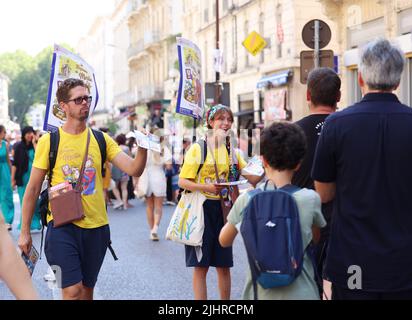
(66, 65)
(190, 99)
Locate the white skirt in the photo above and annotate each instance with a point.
(153, 182)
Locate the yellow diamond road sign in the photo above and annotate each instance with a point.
(254, 43)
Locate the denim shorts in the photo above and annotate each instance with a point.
(78, 252)
(214, 255)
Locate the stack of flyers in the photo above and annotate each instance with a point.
(149, 141)
(233, 183)
(254, 167)
(59, 189)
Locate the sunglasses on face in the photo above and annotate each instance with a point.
(79, 100)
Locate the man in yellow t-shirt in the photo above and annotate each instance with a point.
(77, 248)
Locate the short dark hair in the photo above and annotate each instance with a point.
(121, 139)
(63, 90)
(283, 145)
(324, 86)
(2, 128)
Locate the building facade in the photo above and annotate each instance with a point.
(265, 87)
(96, 49)
(123, 99)
(359, 21)
(152, 54)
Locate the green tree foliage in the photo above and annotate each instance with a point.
(29, 79)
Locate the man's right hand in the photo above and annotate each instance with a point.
(25, 242)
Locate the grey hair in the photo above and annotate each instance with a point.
(381, 65)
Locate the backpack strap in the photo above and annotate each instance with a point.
(54, 148)
(290, 188)
(203, 153)
(101, 141)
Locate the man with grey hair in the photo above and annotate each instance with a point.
(363, 162)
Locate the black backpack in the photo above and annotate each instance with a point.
(44, 196)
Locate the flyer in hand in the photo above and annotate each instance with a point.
(149, 141)
(254, 167)
(31, 259)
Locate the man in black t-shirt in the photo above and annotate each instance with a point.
(323, 94)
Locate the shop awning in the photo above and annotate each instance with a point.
(275, 79)
(246, 112)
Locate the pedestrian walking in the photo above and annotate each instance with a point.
(152, 184)
(323, 94)
(77, 248)
(121, 178)
(363, 161)
(219, 155)
(282, 148)
(23, 156)
(6, 191)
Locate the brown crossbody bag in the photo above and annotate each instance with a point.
(67, 206)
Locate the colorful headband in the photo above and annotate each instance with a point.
(215, 109)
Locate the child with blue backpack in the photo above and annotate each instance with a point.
(276, 222)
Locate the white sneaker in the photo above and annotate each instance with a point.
(154, 236)
(118, 205)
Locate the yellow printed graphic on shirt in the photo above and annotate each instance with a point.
(207, 173)
(67, 168)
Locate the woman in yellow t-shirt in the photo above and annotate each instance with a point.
(219, 119)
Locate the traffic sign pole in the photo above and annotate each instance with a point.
(316, 53)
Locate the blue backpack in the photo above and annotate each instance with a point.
(272, 236)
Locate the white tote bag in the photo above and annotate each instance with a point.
(187, 223)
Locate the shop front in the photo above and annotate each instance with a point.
(275, 91)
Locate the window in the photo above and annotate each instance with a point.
(279, 25)
(262, 33)
(246, 31)
(355, 93)
(225, 55)
(225, 5)
(206, 15)
(214, 11)
(406, 84)
(205, 63)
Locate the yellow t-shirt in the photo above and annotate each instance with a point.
(68, 165)
(207, 173)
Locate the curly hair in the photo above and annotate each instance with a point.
(283, 145)
(62, 93)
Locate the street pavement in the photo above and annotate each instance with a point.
(145, 269)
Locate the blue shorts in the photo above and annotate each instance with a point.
(175, 182)
(78, 252)
(214, 255)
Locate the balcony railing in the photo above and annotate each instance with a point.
(135, 49)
